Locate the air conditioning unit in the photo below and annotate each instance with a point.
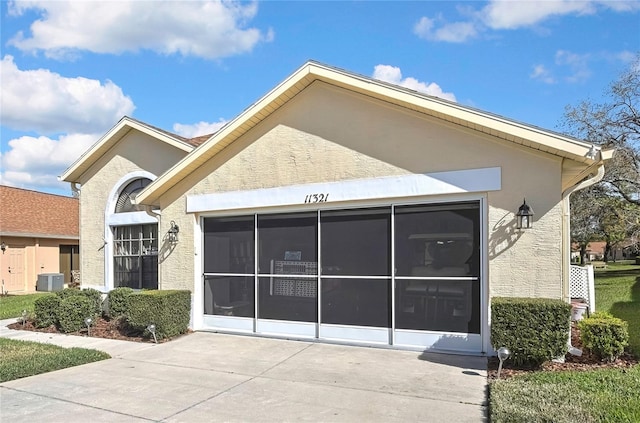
(50, 282)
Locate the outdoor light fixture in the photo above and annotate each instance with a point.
(524, 217)
(173, 232)
(3, 247)
(152, 328)
(87, 322)
(503, 354)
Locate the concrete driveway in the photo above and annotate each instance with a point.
(205, 377)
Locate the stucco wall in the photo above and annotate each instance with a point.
(325, 134)
(135, 152)
(29, 257)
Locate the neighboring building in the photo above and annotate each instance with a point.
(595, 251)
(39, 234)
(340, 208)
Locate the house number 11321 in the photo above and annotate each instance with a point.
(316, 198)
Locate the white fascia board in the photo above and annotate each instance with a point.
(440, 183)
(110, 138)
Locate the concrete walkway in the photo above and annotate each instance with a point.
(216, 377)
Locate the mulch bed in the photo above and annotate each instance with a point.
(586, 361)
(101, 328)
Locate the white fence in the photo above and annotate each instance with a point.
(581, 285)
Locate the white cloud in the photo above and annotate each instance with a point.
(197, 129)
(46, 102)
(208, 29)
(37, 161)
(393, 75)
(543, 74)
(513, 14)
(456, 32)
(577, 64)
(509, 15)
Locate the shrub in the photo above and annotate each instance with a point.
(535, 330)
(95, 297)
(604, 335)
(169, 310)
(68, 292)
(117, 300)
(46, 309)
(72, 311)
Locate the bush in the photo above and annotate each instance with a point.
(604, 335)
(117, 300)
(46, 309)
(72, 311)
(169, 310)
(95, 297)
(535, 330)
(68, 292)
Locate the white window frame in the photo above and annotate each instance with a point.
(111, 218)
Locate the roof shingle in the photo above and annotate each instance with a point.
(33, 213)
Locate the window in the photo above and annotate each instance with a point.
(135, 256)
(124, 205)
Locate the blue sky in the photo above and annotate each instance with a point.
(70, 70)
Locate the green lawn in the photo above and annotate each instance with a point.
(12, 305)
(23, 358)
(618, 292)
(608, 395)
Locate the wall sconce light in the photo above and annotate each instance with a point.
(173, 232)
(3, 247)
(524, 217)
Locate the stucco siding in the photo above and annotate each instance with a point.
(135, 152)
(326, 134)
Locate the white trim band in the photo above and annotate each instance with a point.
(454, 182)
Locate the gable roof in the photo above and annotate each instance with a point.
(37, 214)
(115, 134)
(497, 126)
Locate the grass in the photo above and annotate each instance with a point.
(618, 292)
(12, 305)
(22, 358)
(604, 395)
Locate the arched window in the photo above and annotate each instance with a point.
(135, 242)
(124, 204)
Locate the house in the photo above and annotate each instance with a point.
(339, 208)
(596, 251)
(39, 234)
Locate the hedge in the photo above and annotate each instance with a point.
(604, 335)
(535, 330)
(72, 312)
(45, 309)
(117, 299)
(93, 295)
(169, 310)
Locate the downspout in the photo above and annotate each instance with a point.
(598, 167)
(150, 212)
(75, 190)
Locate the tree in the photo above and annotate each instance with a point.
(586, 209)
(600, 216)
(614, 123)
